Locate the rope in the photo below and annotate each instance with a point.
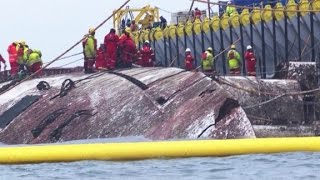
(68, 50)
(66, 57)
(71, 62)
(256, 8)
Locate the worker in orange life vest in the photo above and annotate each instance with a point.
(188, 60)
(13, 58)
(250, 61)
(127, 50)
(110, 41)
(101, 62)
(146, 55)
(197, 13)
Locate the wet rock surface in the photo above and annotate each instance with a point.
(175, 105)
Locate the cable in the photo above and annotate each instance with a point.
(71, 62)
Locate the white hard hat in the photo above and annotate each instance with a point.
(147, 42)
(209, 49)
(229, 2)
(249, 47)
(188, 50)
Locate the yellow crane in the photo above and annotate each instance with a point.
(145, 16)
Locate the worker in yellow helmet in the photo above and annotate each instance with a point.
(22, 53)
(234, 61)
(125, 33)
(90, 51)
(207, 61)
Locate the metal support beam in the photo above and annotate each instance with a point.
(178, 51)
(165, 52)
(299, 34)
(263, 45)
(274, 32)
(286, 41)
(223, 54)
(243, 49)
(312, 37)
(194, 48)
(170, 50)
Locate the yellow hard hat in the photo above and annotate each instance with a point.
(23, 43)
(128, 30)
(91, 30)
(233, 46)
(15, 42)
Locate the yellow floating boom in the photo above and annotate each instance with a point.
(162, 149)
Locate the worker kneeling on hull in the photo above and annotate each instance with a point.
(34, 61)
(146, 58)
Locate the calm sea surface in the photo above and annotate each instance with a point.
(271, 166)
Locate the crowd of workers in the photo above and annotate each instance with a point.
(22, 59)
(116, 52)
(121, 52)
(233, 61)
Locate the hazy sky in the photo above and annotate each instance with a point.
(55, 25)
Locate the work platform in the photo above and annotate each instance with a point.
(278, 35)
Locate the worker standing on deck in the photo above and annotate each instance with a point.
(250, 61)
(163, 22)
(127, 51)
(230, 8)
(34, 61)
(22, 52)
(13, 58)
(146, 58)
(134, 27)
(234, 61)
(110, 41)
(90, 51)
(101, 62)
(197, 13)
(3, 61)
(188, 60)
(207, 61)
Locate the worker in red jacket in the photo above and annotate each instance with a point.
(13, 58)
(127, 51)
(110, 41)
(250, 61)
(188, 60)
(197, 13)
(101, 62)
(3, 61)
(146, 55)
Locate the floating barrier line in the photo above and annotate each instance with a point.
(151, 150)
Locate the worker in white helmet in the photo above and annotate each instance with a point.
(188, 60)
(146, 57)
(250, 61)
